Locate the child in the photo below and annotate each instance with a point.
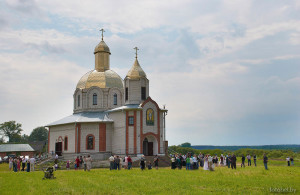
(56, 166)
(149, 166)
(68, 165)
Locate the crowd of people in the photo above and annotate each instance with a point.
(81, 162)
(189, 161)
(208, 162)
(16, 162)
(290, 161)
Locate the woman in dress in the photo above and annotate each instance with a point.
(210, 163)
(221, 160)
(88, 161)
(19, 164)
(205, 167)
(10, 163)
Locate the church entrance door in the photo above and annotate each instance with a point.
(150, 148)
(147, 148)
(58, 148)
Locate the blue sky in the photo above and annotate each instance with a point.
(228, 71)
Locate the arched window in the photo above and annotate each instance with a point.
(66, 143)
(78, 100)
(115, 99)
(90, 142)
(94, 99)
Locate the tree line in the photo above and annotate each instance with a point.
(274, 154)
(13, 132)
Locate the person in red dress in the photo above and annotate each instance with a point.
(77, 161)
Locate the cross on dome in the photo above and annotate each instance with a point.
(136, 49)
(102, 32)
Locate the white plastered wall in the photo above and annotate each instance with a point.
(62, 130)
(119, 132)
(86, 129)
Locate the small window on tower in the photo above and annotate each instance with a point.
(115, 99)
(126, 93)
(131, 120)
(78, 100)
(143, 91)
(94, 99)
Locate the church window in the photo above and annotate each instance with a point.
(126, 93)
(66, 143)
(131, 120)
(94, 99)
(143, 93)
(90, 142)
(78, 100)
(150, 117)
(115, 99)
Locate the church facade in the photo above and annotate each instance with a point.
(111, 115)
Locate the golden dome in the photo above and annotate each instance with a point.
(106, 79)
(136, 71)
(102, 47)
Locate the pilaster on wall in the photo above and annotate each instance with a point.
(134, 132)
(127, 137)
(141, 131)
(102, 137)
(77, 138)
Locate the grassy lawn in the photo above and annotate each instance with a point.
(249, 180)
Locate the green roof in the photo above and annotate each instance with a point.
(16, 148)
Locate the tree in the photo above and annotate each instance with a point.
(39, 134)
(186, 144)
(2, 140)
(11, 129)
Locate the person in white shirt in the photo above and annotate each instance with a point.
(111, 162)
(126, 162)
(23, 163)
(288, 161)
(32, 161)
(249, 159)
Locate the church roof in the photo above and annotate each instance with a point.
(94, 78)
(136, 71)
(83, 117)
(102, 47)
(16, 148)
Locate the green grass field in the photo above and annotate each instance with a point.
(249, 180)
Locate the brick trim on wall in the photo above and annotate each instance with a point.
(157, 136)
(127, 141)
(102, 137)
(134, 132)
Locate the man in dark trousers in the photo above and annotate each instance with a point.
(266, 161)
(233, 161)
(243, 161)
(254, 159)
(228, 160)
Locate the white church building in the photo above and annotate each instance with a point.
(111, 115)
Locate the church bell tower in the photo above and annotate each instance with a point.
(136, 83)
